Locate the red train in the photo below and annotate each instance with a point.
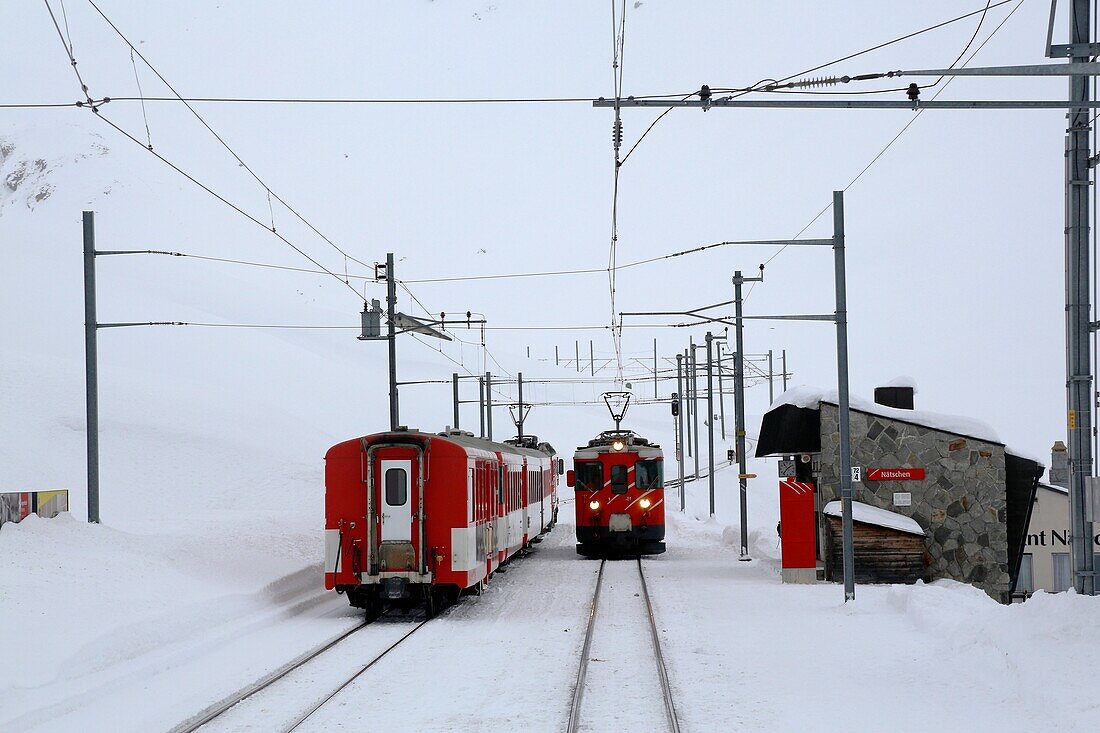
(618, 479)
(414, 518)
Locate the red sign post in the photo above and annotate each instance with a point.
(895, 474)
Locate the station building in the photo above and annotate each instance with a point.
(951, 475)
(1047, 564)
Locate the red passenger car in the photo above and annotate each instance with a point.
(414, 518)
(618, 479)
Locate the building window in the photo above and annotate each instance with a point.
(1063, 574)
(1026, 583)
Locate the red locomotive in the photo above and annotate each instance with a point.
(414, 518)
(618, 479)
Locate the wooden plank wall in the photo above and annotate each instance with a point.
(882, 555)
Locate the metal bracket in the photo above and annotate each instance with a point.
(1069, 50)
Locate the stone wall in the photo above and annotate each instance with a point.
(961, 503)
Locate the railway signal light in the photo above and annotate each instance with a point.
(731, 455)
(675, 405)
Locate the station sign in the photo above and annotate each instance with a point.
(895, 474)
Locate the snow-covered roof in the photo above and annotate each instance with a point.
(903, 380)
(812, 398)
(868, 514)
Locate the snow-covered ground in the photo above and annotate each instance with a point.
(205, 572)
(744, 651)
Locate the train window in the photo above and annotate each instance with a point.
(619, 481)
(500, 484)
(648, 474)
(589, 476)
(397, 487)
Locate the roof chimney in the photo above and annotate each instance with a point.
(1059, 465)
(898, 397)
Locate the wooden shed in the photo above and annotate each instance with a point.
(889, 547)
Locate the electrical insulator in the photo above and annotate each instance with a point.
(617, 134)
(913, 92)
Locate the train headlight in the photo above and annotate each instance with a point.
(618, 444)
(645, 503)
(594, 505)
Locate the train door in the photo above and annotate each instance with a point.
(396, 494)
(525, 502)
(396, 503)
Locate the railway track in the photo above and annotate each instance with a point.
(215, 712)
(575, 718)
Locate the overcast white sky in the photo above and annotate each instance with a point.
(955, 236)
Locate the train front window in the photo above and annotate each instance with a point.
(589, 476)
(648, 474)
(619, 482)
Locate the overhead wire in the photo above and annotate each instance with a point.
(249, 263)
(178, 169)
(228, 203)
(221, 140)
(618, 39)
(900, 132)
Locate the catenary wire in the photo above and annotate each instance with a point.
(219, 138)
(228, 203)
(250, 263)
(172, 165)
(894, 139)
(69, 53)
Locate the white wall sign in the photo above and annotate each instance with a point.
(857, 474)
(903, 498)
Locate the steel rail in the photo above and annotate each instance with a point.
(222, 706)
(301, 719)
(582, 670)
(666, 688)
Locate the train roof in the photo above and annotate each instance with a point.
(636, 443)
(469, 440)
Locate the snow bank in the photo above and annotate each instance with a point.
(733, 625)
(809, 397)
(874, 515)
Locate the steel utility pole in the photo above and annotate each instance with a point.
(784, 370)
(710, 419)
(721, 391)
(655, 395)
(481, 406)
(591, 357)
(91, 377)
(454, 382)
(842, 394)
(519, 422)
(1078, 325)
(739, 404)
(489, 404)
(694, 376)
(680, 423)
(687, 399)
(391, 315)
(771, 376)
